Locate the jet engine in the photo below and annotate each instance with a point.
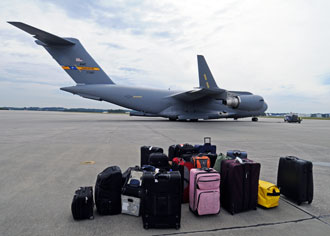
(245, 102)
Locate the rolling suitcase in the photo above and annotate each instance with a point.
(295, 179)
(108, 191)
(159, 160)
(184, 168)
(268, 194)
(146, 151)
(239, 185)
(204, 191)
(162, 200)
(207, 147)
(237, 153)
(83, 204)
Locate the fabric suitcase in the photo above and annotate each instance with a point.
(146, 151)
(108, 191)
(158, 160)
(133, 182)
(204, 191)
(181, 150)
(130, 205)
(207, 147)
(239, 185)
(83, 204)
(295, 179)
(217, 164)
(237, 153)
(184, 168)
(201, 162)
(268, 194)
(162, 200)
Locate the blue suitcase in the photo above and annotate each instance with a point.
(207, 147)
(237, 153)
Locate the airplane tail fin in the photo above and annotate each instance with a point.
(70, 55)
(206, 79)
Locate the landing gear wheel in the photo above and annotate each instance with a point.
(254, 119)
(172, 119)
(235, 118)
(193, 120)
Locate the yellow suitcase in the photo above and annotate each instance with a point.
(268, 194)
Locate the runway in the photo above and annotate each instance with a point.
(42, 155)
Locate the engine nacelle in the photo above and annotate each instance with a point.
(245, 102)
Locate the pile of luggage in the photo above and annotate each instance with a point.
(195, 175)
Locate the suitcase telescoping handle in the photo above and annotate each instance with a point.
(207, 140)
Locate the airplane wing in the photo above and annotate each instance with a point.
(199, 93)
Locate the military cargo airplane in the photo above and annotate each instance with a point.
(208, 101)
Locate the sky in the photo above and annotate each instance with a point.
(278, 49)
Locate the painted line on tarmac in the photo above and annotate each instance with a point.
(241, 227)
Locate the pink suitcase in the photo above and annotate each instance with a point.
(204, 191)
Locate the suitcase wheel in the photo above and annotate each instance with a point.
(309, 202)
(299, 203)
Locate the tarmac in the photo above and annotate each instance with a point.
(42, 158)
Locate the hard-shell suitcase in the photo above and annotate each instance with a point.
(133, 182)
(204, 191)
(146, 151)
(217, 164)
(108, 191)
(237, 153)
(159, 160)
(83, 204)
(201, 162)
(181, 150)
(162, 200)
(268, 194)
(239, 185)
(295, 179)
(130, 205)
(184, 167)
(207, 147)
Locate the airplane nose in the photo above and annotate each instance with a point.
(265, 106)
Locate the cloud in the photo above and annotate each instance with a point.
(277, 49)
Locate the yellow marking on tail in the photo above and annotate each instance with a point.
(207, 85)
(205, 77)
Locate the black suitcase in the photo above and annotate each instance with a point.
(131, 188)
(181, 150)
(295, 179)
(83, 204)
(159, 160)
(162, 200)
(146, 151)
(239, 185)
(108, 191)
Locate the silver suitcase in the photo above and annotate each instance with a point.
(130, 205)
